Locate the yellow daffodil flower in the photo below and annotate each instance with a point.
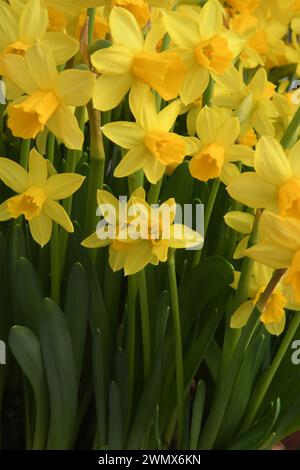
(49, 96)
(145, 237)
(38, 195)
(205, 46)
(26, 25)
(275, 185)
(279, 248)
(217, 145)
(273, 315)
(251, 103)
(132, 59)
(139, 8)
(152, 146)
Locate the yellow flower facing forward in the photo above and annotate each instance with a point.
(275, 185)
(26, 25)
(217, 145)
(131, 60)
(273, 315)
(204, 45)
(140, 235)
(279, 248)
(251, 103)
(50, 96)
(152, 146)
(38, 195)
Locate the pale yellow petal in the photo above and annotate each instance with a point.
(139, 255)
(229, 172)
(182, 236)
(41, 65)
(110, 90)
(4, 212)
(13, 175)
(211, 19)
(207, 125)
(114, 60)
(242, 314)
(93, 241)
(63, 46)
(124, 134)
(272, 255)
(194, 84)
(75, 87)
(280, 231)
(9, 27)
(41, 228)
(168, 116)
(63, 124)
(253, 190)
(63, 185)
(58, 214)
(38, 170)
(276, 328)
(133, 161)
(184, 33)
(33, 21)
(240, 221)
(271, 162)
(294, 159)
(153, 169)
(116, 259)
(239, 251)
(148, 116)
(14, 67)
(229, 132)
(125, 29)
(240, 153)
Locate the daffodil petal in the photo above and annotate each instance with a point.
(58, 214)
(41, 65)
(194, 84)
(4, 212)
(41, 228)
(276, 328)
(131, 162)
(229, 172)
(110, 90)
(240, 221)
(114, 60)
(63, 124)
(125, 29)
(38, 170)
(116, 259)
(294, 159)
(207, 125)
(63, 185)
(240, 153)
(33, 21)
(168, 116)
(229, 132)
(14, 67)
(280, 231)
(8, 27)
(271, 162)
(13, 175)
(93, 241)
(184, 33)
(239, 252)
(153, 168)
(182, 236)
(253, 190)
(124, 134)
(211, 19)
(138, 257)
(271, 255)
(75, 87)
(63, 46)
(242, 315)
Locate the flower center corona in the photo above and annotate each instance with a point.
(28, 203)
(166, 146)
(289, 199)
(214, 54)
(163, 72)
(208, 163)
(28, 118)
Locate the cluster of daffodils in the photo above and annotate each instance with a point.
(138, 88)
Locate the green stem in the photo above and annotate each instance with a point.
(131, 302)
(91, 15)
(41, 425)
(55, 256)
(25, 148)
(153, 194)
(178, 344)
(142, 287)
(265, 382)
(291, 130)
(207, 215)
(207, 95)
(96, 173)
(228, 375)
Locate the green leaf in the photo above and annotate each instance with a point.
(255, 437)
(197, 415)
(115, 421)
(26, 348)
(100, 390)
(179, 185)
(76, 311)
(60, 370)
(242, 390)
(28, 293)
